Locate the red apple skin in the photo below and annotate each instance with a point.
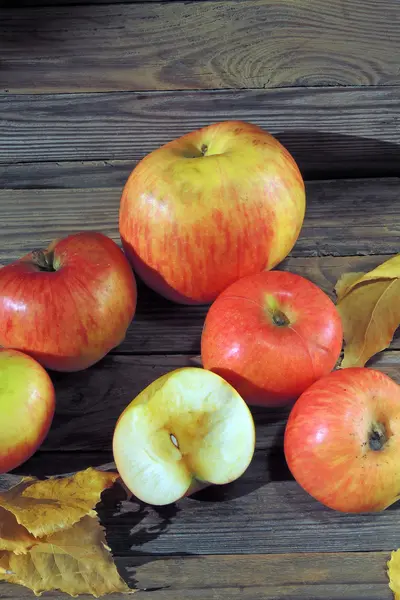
(210, 207)
(270, 364)
(27, 403)
(69, 318)
(327, 440)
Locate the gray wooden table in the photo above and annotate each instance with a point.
(88, 87)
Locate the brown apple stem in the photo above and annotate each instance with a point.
(279, 318)
(44, 260)
(204, 149)
(377, 436)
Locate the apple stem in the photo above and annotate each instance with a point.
(280, 319)
(204, 149)
(377, 436)
(43, 260)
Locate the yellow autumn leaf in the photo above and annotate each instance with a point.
(345, 281)
(394, 573)
(44, 507)
(4, 565)
(75, 561)
(51, 539)
(370, 311)
(14, 537)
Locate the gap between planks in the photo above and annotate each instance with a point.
(94, 140)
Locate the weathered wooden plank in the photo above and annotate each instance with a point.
(275, 517)
(308, 570)
(344, 217)
(30, 219)
(246, 518)
(60, 463)
(179, 45)
(333, 592)
(353, 576)
(15, 4)
(89, 402)
(330, 131)
(264, 511)
(161, 326)
(65, 174)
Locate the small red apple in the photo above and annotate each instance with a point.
(210, 207)
(271, 335)
(69, 305)
(342, 440)
(27, 404)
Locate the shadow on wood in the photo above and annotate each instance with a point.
(321, 154)
(132, 513)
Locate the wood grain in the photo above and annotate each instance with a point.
(15, 4)
(24, 3)
(344, 217)
(274, 517)
(260, 576)
(223, 44)
(330, 132)
(161, 326)
(89, 402)
(31, 219)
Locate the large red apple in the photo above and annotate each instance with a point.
(271, 335)
(210, 207)
(26, 407)
(69, 305)
(342, 440)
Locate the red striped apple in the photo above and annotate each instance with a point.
(271, 335)
(188, 429)
(27, 403)
(69, 305)
(210, 207)
(342, 440)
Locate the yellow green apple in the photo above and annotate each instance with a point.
(27, 402)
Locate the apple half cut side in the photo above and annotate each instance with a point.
(187, 429)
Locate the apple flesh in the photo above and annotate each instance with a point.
(210, 207)
(271, 335)
(69, 305)
(27, 403)
(342, 440)
(189, 428)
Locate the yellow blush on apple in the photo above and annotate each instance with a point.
(217, 204)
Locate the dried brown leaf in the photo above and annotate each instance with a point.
(370, 310)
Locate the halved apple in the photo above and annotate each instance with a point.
(187, 429)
